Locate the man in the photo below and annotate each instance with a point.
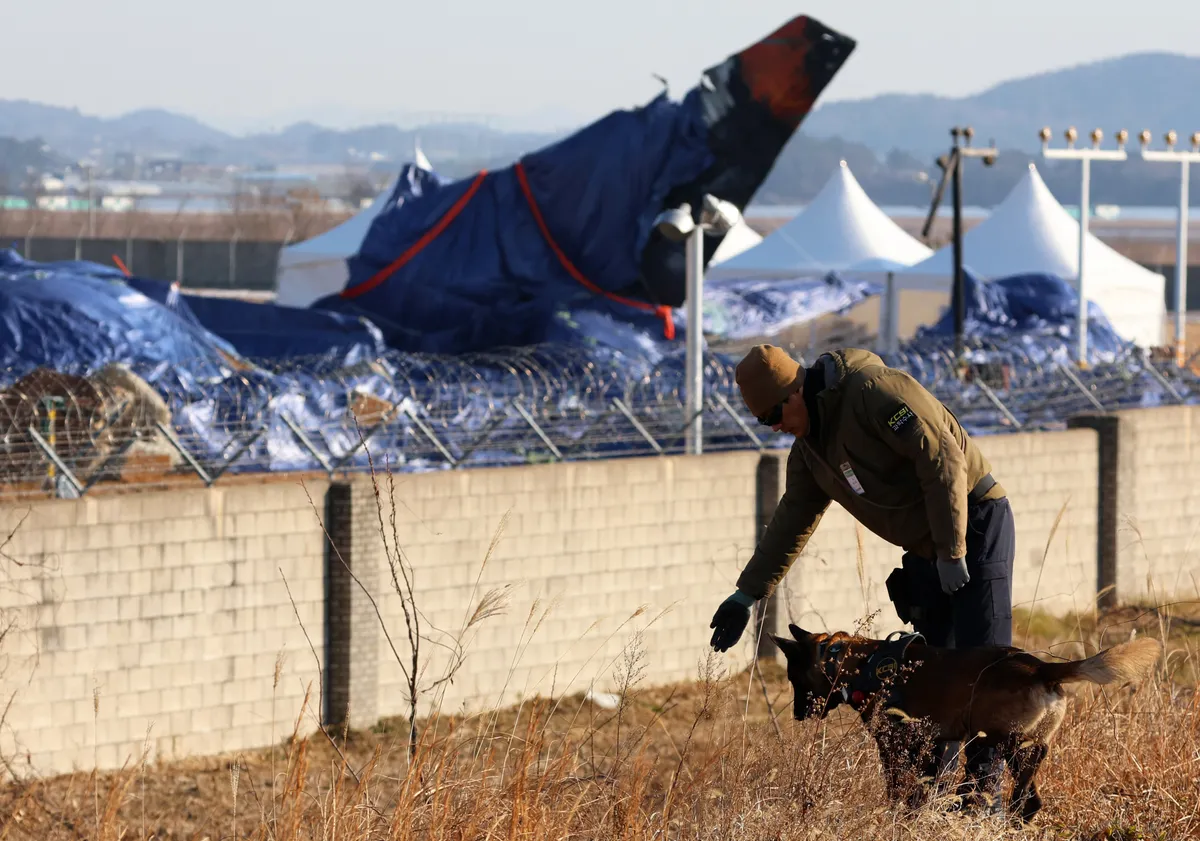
(874, 440)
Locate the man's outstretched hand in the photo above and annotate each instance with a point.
(730, 620)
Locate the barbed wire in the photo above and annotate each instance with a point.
(65, 433)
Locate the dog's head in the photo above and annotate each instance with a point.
(812, 689)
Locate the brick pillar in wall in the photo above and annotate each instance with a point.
(351, 627)
(1108, 430)
(768, 490)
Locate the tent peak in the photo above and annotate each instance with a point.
(419, 159)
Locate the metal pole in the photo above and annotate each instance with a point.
(233, 261)
(1184, 158)
(91, 205)
(1181, 267)
(958, 293)
(695, 341)
(893, 315)
(1084, 207)
(890, 328)
(1085, 158)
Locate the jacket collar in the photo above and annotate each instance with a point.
(814, 384)
(821, 393)
(823, 388)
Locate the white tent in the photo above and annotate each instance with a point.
(1031, 232)
(737, 240)
(841, 229)
(310, 270)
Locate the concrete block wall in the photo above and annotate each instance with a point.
(1158, 532)
(602, 559)
(829, 588)
(168, 604)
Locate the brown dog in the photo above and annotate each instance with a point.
(912, 695)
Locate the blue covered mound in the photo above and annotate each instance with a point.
(745, 309)
(489, 261)
(1040, 312)
(268, 331)
(77, 317)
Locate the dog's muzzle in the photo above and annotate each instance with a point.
(820, 707)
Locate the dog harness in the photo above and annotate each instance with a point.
(883, 666)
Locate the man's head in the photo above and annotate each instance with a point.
(771, 383)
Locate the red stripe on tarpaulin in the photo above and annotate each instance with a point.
(426, 238)
(662, 312)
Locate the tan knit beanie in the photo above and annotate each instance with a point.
(767, 376)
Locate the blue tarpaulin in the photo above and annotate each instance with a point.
(77, 318)
(490, 260)
(231, 369)
(1038, 311)
(744, 309)
(491, 279)
(267, 331)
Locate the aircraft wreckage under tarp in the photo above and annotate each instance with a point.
(494, 259)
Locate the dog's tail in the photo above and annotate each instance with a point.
(1123, 663)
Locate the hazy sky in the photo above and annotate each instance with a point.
(257, 63)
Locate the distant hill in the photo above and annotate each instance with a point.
(890, 141)
(21, 161)
(75, 135)
(1156, 91)
(449, 143)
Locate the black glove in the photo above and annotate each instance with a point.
(730, 620)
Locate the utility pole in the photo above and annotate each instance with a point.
(1185, 159)
(951, 165)
(957, 294)
(1085, 157)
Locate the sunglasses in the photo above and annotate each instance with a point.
(772, 417)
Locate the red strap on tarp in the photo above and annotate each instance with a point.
(662, 312)
(426, 238)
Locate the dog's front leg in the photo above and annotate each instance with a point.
(903, 751)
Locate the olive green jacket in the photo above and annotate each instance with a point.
(889, 453)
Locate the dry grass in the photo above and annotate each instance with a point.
(691, 761)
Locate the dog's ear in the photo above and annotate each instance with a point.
(787, 646)
(798, 633)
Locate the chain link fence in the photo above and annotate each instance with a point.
(69, 434)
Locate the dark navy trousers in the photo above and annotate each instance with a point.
(980, 613)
